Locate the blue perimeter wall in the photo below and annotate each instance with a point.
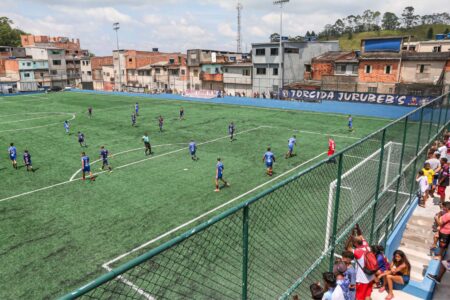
(347, 108)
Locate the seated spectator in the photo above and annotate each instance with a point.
(383, 264)
(316, 291)
(350, 273)
(398, 276)
(445, 266)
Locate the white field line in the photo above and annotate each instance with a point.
(123, 152)
(134, 287)
(123, 166)
(42, 126)
(23, 120)
(106, 265)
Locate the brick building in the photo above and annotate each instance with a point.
(96, 64)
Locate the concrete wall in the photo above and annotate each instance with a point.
(86, 70)
(432, 73)
(428, 46)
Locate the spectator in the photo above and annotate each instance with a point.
(423, 187)
(435, 164)
(342, 283)
(443, 180)
(316, 291)
(445, 266)
(359, 246)
(436, 228)
(329, 285)
(429, 173)
(383, 264)
(350, 274)
(398, 276)
(443, 221)
(442, 149)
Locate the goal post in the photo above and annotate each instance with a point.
(357, 193)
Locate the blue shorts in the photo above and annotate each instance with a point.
(105, 162)
(219, 176)
(12, 157)
(269, 164)
(291, 148)
(350, 125)
(87, 169)
(398, 286)
(192, 152)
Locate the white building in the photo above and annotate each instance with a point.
(237, 79)
(56, 63)
(86, 74)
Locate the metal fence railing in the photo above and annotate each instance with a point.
(279, 242)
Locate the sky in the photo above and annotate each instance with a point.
(178, 25)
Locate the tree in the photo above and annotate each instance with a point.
(9, 36)
(313, 33)
(409, 18)
(446, 31)
(430, 33)
(274, 37)
(390, 21)
(308, 34)
(350, 35)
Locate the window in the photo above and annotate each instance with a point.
(437, 49)
(291, 50)
(41, 74)
(372, 89)
(26, 75)
(246, 72)
(171, 61)
(82, 72)
(28, 64)
(195, 73)
(183, 72)
(56, 62)
(275, 72)
(415, 92)
(157, 71)
(260, 52)
(423, 69)
(343, 68)
(387, 69)
(355, 69)
(368, 69)
(130, 60)
(261, 71)
(308, 68)
(233, 58)
(89, 73)
(274, 51)
(54, 72)
(225, 70)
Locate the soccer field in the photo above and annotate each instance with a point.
(58, 232)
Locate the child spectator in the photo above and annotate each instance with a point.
(427, 171)
(342, 283)
(383, 264)
(350, 273)
(329, 285)
(423, 187)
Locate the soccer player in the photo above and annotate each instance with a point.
(133, 119)
(12, 150)
(148, 147)
(67, 127)
(161, 123)
(350, 123)
(269, 159)
(193, 150)
(181, 113)
(291, 143)
(331, 149)
(81, 139)
(219, 174)
(136, 109)
(104, 153)
(27, 160)
(86, 167)
(231, 130)
(90, 112)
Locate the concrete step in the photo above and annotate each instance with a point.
(417, 243)
(419, 249)
(424, 239)
(420, 221)
(376, 295)
(420, 230)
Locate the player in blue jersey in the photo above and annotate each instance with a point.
(81, 139)
(104, 155)
(27, 161)
(193, 150)
(161, 123)
(350, 123)
(136, 109)
(269, 159)
(219, 175)
(86, 166)
(291, 143)
(12, 151)
(181, 113)
(67, 127)
(231, 131)
(133, 119)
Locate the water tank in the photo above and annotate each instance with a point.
(440, 36)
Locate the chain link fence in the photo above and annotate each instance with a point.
(279, 242)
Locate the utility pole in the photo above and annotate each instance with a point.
(116, 27)
(239, 8)
(280, 51)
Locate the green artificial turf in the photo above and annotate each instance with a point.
(56, 239)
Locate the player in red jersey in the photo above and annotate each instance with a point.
(331, 149)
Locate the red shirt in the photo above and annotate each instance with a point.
(331, 147)
(445, 227)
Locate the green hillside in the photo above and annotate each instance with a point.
(419, 33)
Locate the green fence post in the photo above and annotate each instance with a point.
(386, 233)
(438, 127)
(431, 122)
(245, 253)
(400, 168)
(336, 211)
(377, 188)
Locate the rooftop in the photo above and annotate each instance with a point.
(336, 56)
(436, 56)
(380, 56)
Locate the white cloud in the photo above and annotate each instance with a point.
(152, 19)
(225, 29)
(109, 14)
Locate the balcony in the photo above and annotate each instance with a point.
(211, 77)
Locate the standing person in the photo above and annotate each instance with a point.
(291, 143)
(231, 130)
(193, 150)
(90, 112)
(443, 221)
(350, 123)
(181, 113)
(161, 123)
(329, 285)
(67, 127)
(104, 154)
(423, 187)
(383, 264)
(27, 161)
(429, 173)
(12, 151)
(443, 180)
(359, 246)
(136, 109)
(398, 276)
(86, 166)
(350, 273)
(331, 149)
(442, 149)
(148, 147)
(81, 139)
(435, 164)
(269, 159)
(133, 120)
(219, 174)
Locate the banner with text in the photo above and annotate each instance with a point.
(204, 94)
(317, 95)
